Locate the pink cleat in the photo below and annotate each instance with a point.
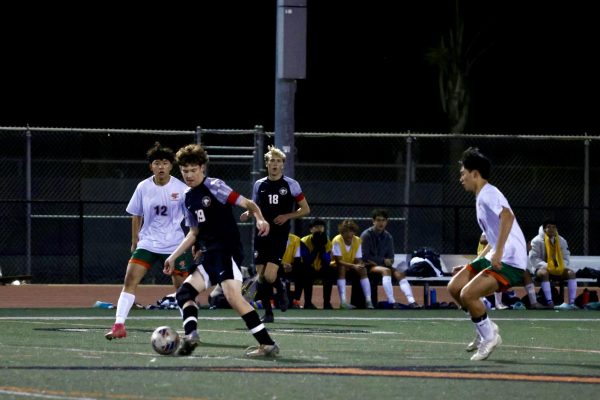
(118, 331)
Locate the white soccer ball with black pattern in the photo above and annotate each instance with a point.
(165, 340)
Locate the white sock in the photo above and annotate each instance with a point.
(572, 285)
(485, 329)
(366, 287)
(498, 298)
(341, 284)
(123, 306)
(531, 293)
(547, 291)
(386, 282)
(407, 290)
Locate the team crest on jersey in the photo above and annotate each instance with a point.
(283, 191)
(175, 196)
(206, 201)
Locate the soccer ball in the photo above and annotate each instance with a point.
(165, 340)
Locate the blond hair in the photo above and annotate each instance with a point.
(274, 151)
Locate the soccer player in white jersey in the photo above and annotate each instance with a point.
(503, 264)
(157, 212)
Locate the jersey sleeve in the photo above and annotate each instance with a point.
(336, 251)
(222, 192)
(255, 190)
(496, 201)
(135, 206)
(295, 189)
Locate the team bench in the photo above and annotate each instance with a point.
(450, 261)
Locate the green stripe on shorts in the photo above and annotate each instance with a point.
(183, 263)
(513, 275)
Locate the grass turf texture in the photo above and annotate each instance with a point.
(62, 353)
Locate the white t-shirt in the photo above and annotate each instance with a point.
(162, 208)
(489, 204)
(337, 251)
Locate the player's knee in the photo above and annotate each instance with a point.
(185, 293)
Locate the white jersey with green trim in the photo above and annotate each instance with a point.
(489, 205)
(162, 209)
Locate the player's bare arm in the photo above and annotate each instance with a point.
(189, 240)
(136, 225)
(302, 211)
(261, 224)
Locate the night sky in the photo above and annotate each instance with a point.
(176, 67)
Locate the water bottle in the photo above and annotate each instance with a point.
(433, 296)
(586, 297)
(103, 304)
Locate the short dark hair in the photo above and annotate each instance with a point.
(472, 159)
(317, 222)
(379, 212)
(158, 152)
(548, 221)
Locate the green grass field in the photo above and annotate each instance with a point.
(384, 354)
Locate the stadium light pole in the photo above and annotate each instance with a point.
(290, 65)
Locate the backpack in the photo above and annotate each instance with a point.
(425, 263)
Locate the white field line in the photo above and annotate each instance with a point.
(233, 318)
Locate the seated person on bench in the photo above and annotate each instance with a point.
(549, 257)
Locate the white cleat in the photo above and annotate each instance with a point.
(474, 345)
(486, 347)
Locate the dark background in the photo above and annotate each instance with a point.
(213, 65)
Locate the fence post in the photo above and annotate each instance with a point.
(81, 229)
(408, 173)
(586, 197)
(198, 135)
(28, 198)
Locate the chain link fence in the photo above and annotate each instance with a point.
(416, 177)
(65, 190)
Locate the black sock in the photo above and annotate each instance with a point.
(265, 292)
(253, 323)
(190, 319)
(479, 319)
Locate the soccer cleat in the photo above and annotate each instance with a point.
(415, 306)
(369, 305)
(326, 306)
(309, 306)
(566, 306)
(263, 350)
(474, 345)
(296, 304)
(118, 331)
(501, 306)
(347, 306)
(268, 319)
(188, 344)
(486, 347)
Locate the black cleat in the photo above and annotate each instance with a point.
(268, 319)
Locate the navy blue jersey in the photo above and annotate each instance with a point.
(277, 197)
(210, 208)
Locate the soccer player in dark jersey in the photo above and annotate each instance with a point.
(213, 230)
(276, 196)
